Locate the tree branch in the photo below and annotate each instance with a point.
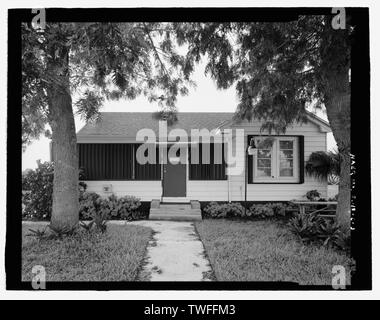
(155, 51)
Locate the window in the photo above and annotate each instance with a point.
(277, 160)
(115, 161)
(214, 170)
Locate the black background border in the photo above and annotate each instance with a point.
(360, 137)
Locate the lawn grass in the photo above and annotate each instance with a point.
(266, 251)
(113, 256)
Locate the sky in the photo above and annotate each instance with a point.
(204, 98)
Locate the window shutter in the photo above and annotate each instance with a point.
(301, 149)
(249, 160)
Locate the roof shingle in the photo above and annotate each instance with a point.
(127, 124)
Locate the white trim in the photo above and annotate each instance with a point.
(275, 165)
(176, 199)
(105, 139)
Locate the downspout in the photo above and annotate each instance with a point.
(229, 144)
(228, 187)
(245, 180)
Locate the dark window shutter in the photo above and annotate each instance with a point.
(249, 160)
(301, 149)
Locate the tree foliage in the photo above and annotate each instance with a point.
(105, 61)
(278, 69)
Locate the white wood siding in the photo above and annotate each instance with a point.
(145, 190)
(201, 190)
(315, 140)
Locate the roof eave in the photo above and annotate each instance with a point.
(323, 125)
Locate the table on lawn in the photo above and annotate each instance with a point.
(326, 204)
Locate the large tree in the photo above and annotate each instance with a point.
(69, 66)
(280, 69)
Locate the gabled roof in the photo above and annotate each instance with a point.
(127, 124)
(324, 126)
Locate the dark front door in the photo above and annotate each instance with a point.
(174, 184)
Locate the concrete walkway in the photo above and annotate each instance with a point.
(175, 253)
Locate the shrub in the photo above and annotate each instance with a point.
(93, 207)
(305, 226)
(60, 232)
(101, 213)
(262, 211)
(279, 208)
(87, 226)
(87, 207)
(313, 195)
(129, 206)
(268, 210)
(37, 191)
(235, 209)
(39, 234)
(113, 205)
(331, 235)
(224, 210)
(312, 228)
(124, 208)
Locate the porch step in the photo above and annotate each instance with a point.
(175, 212)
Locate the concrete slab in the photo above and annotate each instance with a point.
(175, 253)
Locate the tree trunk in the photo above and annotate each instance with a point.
(339, 115)
(65, 211)
(335, 65)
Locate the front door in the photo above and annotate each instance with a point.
(174, 182)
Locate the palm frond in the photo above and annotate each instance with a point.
(322, 165)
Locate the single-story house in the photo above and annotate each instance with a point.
(107, 154)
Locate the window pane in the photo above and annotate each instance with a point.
(264, 163)
(286, 168)
(263, 172)
(286, 144)
(287, 154)
(286, 163)
(286, 172)
(263, 153)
